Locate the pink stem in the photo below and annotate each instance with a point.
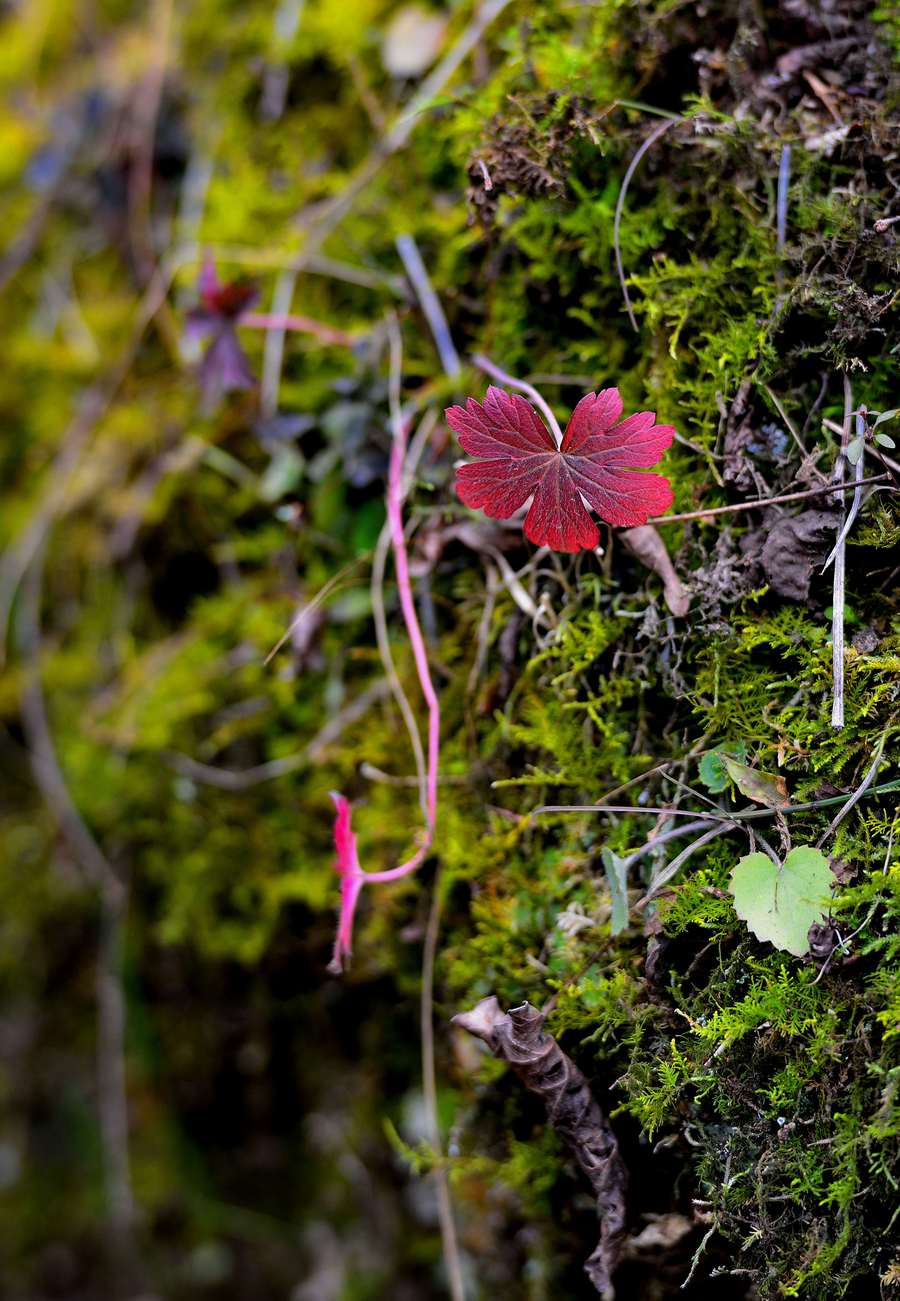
(353, 878)
(303, 324)
(395, 498)
(408, 606)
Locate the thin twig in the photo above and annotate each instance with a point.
(654, 810)
(323, 593)
(374, 774)
(777, 403)
(485, 364)
(620, 204)
(44, 761)
(242, 779)
(430, 304)
(662, 837)
(671, 869)
(739, 815)
(760, 502)
(429, 1088)
(336, 209)
(190, 251)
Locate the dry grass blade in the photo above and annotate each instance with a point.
(338, 207)
(837, 595)
(856, 796)
(430, 304)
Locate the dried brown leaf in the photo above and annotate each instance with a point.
(518, 1037)
(792, 550)
(646, 545)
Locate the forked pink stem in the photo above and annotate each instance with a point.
(353, 878)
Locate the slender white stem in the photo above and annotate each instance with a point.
(485, 364)
(857, 492)
(620, 205)
(837, 597)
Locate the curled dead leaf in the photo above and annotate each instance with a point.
(518, 1037)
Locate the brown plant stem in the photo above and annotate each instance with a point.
(759, 502)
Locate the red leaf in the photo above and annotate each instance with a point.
(352, 880)
(220, 299)
(593, 468)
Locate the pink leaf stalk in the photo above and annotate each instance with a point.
(326, 334)
(353, 878)
(224, 306)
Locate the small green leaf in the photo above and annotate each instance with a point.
(780, 903)
(886, 415)
(713, 772)
(761, 787)
(283, 473)
(617, 880)
(885, 440)
(855, 450)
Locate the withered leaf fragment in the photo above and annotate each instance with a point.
(646, 545)
(762, 787)
(793, 548)
(518, 1037)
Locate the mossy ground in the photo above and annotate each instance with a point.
(751, 1092)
